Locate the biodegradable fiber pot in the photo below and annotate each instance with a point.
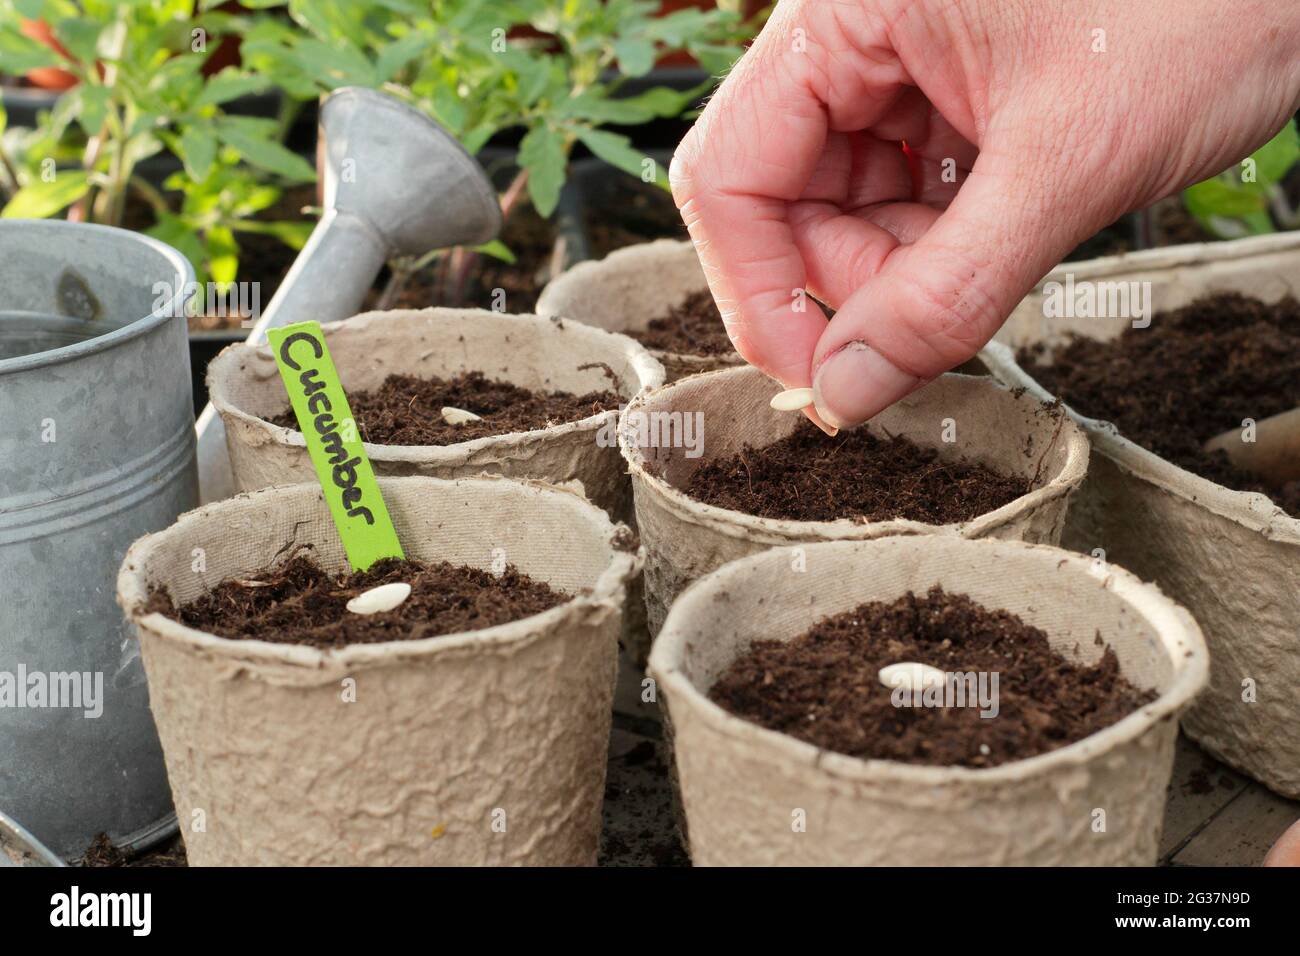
(741, 784)
(447, 739)
(630, 287)
(686, 539)
(1233, 558)
(532, 352)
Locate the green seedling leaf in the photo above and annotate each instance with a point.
(223, 255)
(263, 153)
(1275, 158)
(1215, 197)
(618, 151)
(543, 154)
(198, 150)
(41, 200)
(396, 55)
(327, 425)
(227, 85)
(20, 54)
(80, 36)
(92, 107)
(292, 234)
(635, 56)
(497, 250)
(177, 233)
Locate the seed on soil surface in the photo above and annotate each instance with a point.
(792, 399)
(307, 604)
(380, 599)
(822, 687)
(458, 416)
(911, 675)
(407, 409)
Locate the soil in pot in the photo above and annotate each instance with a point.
(102, 853)
(529, 237)
(1194, 373)
(298, 602)
(621, 211)
(823, 687)
(407, 410)
(1173, 225)
(692, 328)
(1111, 241)
(856, 475)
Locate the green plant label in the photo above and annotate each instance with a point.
(335, 447)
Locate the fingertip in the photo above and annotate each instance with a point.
(855, 383)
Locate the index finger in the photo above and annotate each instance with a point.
(751, 155)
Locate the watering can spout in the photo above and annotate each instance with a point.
(394, 183)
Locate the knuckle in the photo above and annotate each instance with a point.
(950, 311)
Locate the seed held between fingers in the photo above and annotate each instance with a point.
(801, 399)
(385, 597)
(792, 399)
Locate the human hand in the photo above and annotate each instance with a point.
(1031, 126)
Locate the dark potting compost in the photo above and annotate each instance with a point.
(473, 281)
(807, 477)
(407, 410)
(622, 211)
(823, 687)
(1193, 373)
(692, 328)
(298, 602)
(102, 853)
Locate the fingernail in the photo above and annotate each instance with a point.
(813, 417)
(856, 383)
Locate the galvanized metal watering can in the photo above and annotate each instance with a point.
(96, 449)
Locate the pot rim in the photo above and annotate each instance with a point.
(1250, 509)
(132, 591)
(1180, 635)
(647, 371)
(590, 270)
(743, 524)
(175, 306)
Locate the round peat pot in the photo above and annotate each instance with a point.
(1232, 557)
(96, 449)
(741, 784)
(686, 539)
(485, 747)
(629, 288)
(532, 352)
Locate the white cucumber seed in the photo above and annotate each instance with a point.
(792, 399)
(458, 416)
(380, 599)
(911, 675)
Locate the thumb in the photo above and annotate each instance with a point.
(934, 303)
